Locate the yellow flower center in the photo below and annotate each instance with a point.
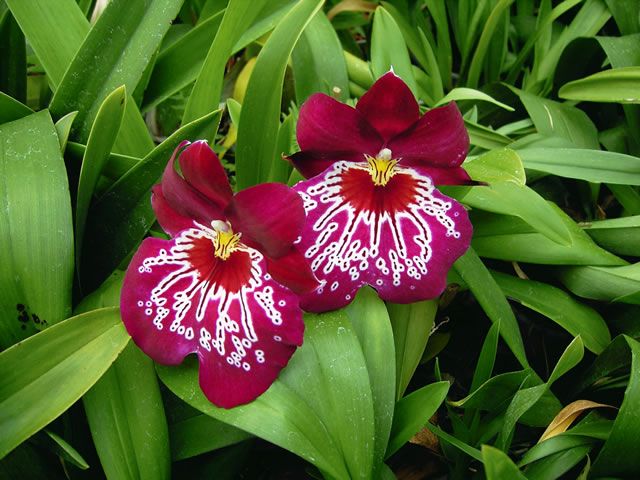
(382, 167)
(225, 242)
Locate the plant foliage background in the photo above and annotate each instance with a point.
(536, 331)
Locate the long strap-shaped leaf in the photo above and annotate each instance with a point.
(41, 377)
(55, 30)
(205, 95)
(259, 123)
(36, 230)
(124, 40)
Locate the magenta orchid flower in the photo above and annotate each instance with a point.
(225, 286)
(374, 215)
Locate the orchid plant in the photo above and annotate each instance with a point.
(269, 239)
(230, 284)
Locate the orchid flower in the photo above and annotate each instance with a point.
(225, 286)
(374, 215)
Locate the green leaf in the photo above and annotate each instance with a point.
(259, 122)
(557, 464)
(420, 48)
(413, 412)
(483, 43)
(556, 119)
(11, 109)
(123, 215)
(618, 235)
(557, 305)
(320, 408)
(370, 321)
(492, 300)
(281, 171)
(571, 357)
(63, 129)
(625, 14)
(527, 399)
(42, 376)
(65, 450)
(13, 70)
(36, 229)
(554, 445)
(593, 15)
(498, 465)
(201, 433)
(494, 394)
(205, 95)
(124, 408)
(613, 284)
(318, 62)
(522, 401)
(508, 238)
(178, 65)
(620, 85)
(389, 50)
(101, 139)
(412, 324)
(452, 440)
(509, 198)
(503, 165)
(461, 93)
(621, 51)
(55, 29)
(485, 137)
(126, 417)
(123, 59)
(617, 456)
(487, 357)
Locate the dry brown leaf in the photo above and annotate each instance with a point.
(567, 416)
(351, 6)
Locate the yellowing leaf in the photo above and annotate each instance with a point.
(567, 416)
(351, 6)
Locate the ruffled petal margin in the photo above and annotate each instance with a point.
(389, 106)
(178, 298)
(401, 238)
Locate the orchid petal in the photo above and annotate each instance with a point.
(293, 271)
(186, 199)
(270, 217)
(447, 176)
(389, 106)
(438, 139)
(179, 298)
(202, 169)
(171, 221)
(311, 163)
(401, 238)
(326, 125)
